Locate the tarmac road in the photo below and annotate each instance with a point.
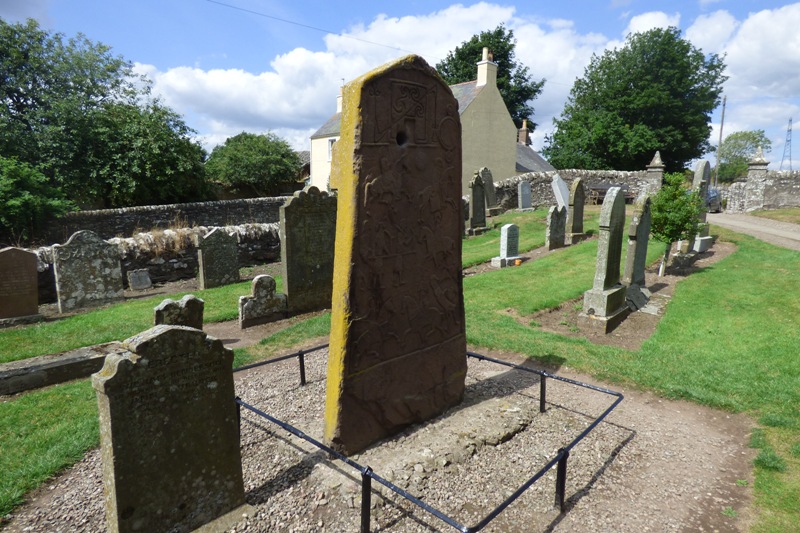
(782, 234)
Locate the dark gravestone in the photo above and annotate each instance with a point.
(577, 199)
(637, 294)
(556, 226)
(263, 305)
(398, 343)
(217, 259)
(308, 231)
(604, 304)
(188, 311)
(169, 435)
(477, 205)
(139, 280)
(87, 271)
(19, 293)
(488, 184)
(524, 196)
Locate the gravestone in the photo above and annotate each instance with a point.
(702, 175)
(169, 434)
(509, 246)
(217, 259)
(637, 295)
(19, 290)
(87, 271)
(561, 191)
(491, 193)
(556, 227)
(397, 344)
(604, 304)
(577, 199)
(263, 305)
(477, 205)
(524, 195)
(188, 311)
(308, 231)
(139, 280)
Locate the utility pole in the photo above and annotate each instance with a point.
(715, 180)
(787, 147)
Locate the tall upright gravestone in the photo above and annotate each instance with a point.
(398, 343)
(604, 304)
(19, 290)
(87, 271)
(477, 205)
(308, 231)
(169, 436)
(637, 294)
(524, 196)
(217, 259)
(702, 175)
(556, 227)
(491, 192)
(577, 199)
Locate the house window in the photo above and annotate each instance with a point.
(331, 142)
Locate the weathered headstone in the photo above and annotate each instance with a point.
(604, 304)
(308, 231)
(702, 175)
(169, 436)
(19, 292)
(561, 191)
(509, 246)
(524, 195)
(491, 193)
(477, 205)
(87, 271)
(139, 280)
(637, 294)
(556, 227)
(577, 199)
(217, 259)
(188, 311)
(263, 305)
(398, 343)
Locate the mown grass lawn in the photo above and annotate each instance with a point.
(788, 214)
(729, 339)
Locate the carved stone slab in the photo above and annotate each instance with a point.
(263, 305)
(87, 271)
(556, 226)
(19, 291)
(217, 259)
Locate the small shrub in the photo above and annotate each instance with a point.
(769, 460)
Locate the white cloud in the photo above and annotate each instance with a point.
(711, 33)
(653, 19)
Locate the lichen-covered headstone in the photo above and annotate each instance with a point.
(188, 311)
(477, 205)
(604, 304)
(217, 259)
(577, 199)
(556, 227)
(263, 305)
(524, 197)
(169, 436)
(139, 280)
(702, 175)
(488, 184)
(19, 291)
(637, 294)
(509, 246)
(308, 231)
(87, 271)
(398, 343)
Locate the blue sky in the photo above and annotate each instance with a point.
(260, 65)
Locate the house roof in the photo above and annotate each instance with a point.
(304, 156)
(528, 160)
(465, 93)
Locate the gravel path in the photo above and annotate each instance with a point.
(783, 234)
(653, 465)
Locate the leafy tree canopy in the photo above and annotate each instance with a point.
(513, 80)
(737, 150)
(675, 213)
(262, 165)
(657, 92)
(77, 113)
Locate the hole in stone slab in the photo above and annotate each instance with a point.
(401, 138)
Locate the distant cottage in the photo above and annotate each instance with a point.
(489, 137)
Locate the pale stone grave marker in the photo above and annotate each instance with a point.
(139, 280)
(637, 294)
(308, 231)
(604, 304)
(524, 196)
(561, 191)
(577, 200)
(556, 227)
(19, 291)
(398, 343)
(509, 246)
(169, 435)
(477, 205)
(263, 305)
(188, 311)
(217, 259)
(87, 271)
(702, 175)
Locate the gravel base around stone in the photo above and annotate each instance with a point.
(652, 465)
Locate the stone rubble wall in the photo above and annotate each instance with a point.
(773, 189)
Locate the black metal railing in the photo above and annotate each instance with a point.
(368, 475)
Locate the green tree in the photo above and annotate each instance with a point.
(513, 80)
(262, 165)
(675, 212)
(657, 92)
(736, 151)
(26, 201)
(59, 99)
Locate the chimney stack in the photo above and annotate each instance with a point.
(524, 136)
(487, 69)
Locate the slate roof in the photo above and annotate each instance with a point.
(528, 160)
(304, 156)
(330, 128)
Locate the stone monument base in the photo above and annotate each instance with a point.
(575, 238)
(494, 211)
(227, 521)
(606, 324)
(19, 320)
(526, 210)
(637, 297)
(684, 247)
(477, 231)
(604, 303)
(502, 262)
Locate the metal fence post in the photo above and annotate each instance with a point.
(302, 359)
(366, 495)
(542, 393)
(561, 479)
